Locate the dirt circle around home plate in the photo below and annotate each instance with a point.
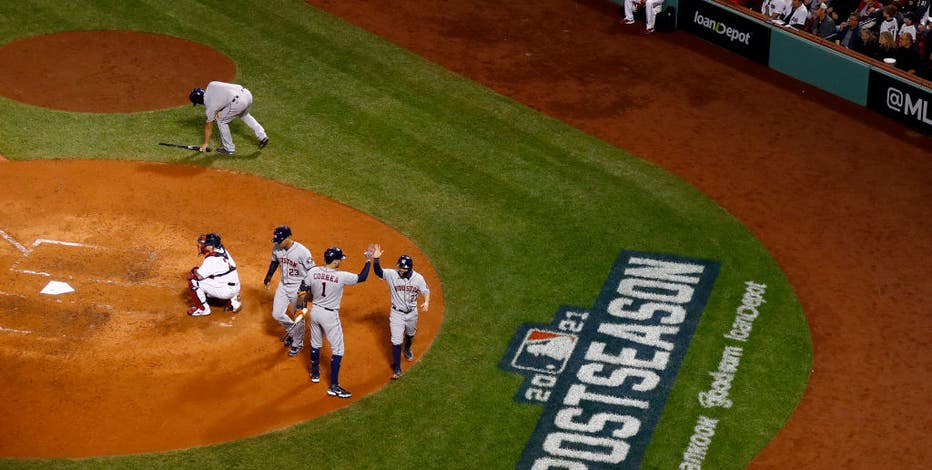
(119, 357)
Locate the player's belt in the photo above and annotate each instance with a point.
(402, 311)
(325, 308)
(231, 284)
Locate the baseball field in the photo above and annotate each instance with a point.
(683, 340)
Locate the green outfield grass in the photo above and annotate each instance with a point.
(519, 213)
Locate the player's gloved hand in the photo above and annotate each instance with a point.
(370, 251)
(192, 275)
(266, 282)
(302, 297)
(376, 250)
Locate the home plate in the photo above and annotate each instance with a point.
(56, 288)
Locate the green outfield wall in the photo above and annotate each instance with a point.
(804, 58)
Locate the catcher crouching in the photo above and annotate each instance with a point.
(215, 278)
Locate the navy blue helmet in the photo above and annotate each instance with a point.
(196, 96)
(405, 262)
(332, 254)
(281, 232)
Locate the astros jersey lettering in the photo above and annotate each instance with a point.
(295, 263)
(327, 286)
(403, 291)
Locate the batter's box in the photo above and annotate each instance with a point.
(69, 260)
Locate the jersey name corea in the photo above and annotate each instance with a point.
(403, 291)
(327, 286)
(295, 263)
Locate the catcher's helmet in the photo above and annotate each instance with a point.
(281, 232)
(210, 239)
(332, 254)
(196, 96)
(405, 262)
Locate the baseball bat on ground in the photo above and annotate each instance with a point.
(196, 148)
(297, 319)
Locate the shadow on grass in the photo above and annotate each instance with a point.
(198, 158)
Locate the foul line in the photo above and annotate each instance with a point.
(19, 246)
(11, 330)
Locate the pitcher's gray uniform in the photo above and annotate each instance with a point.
(295, 261)
(224, 102)
(404, 286)
(325, 285)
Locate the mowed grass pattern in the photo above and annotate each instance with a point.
(519, 213)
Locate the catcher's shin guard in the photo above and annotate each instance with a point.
(200, 298)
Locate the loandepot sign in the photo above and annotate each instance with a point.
(603, 374)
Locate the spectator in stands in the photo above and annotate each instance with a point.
(840, 9)
(925, 70)
(867, 8)
(886, 46)
(797, 15)
(850, 33)
(773, 9)
(922, 11)
(822, 25)
(909, 26)
(922, 40)
(907, 57)
(810, 6)
(867, 43)
(889, 24)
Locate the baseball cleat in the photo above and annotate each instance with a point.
(396, 374)
(408, 355)
(198, 312)
(315, 377)
(236, 303)
(223, 151)
(294, 351)
(338, 391)
(263, 142)
(627, 21)
(289, 342)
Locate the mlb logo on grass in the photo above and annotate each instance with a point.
(544, 351)
(540, 352)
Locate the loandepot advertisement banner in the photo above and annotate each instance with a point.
(604, 373)
(726, 28)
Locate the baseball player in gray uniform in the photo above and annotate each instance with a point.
(326, 290)
(404, 285)
(224, 102)
(216, 277)
(296, 262)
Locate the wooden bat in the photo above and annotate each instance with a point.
(297, 319)
(196, 148)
